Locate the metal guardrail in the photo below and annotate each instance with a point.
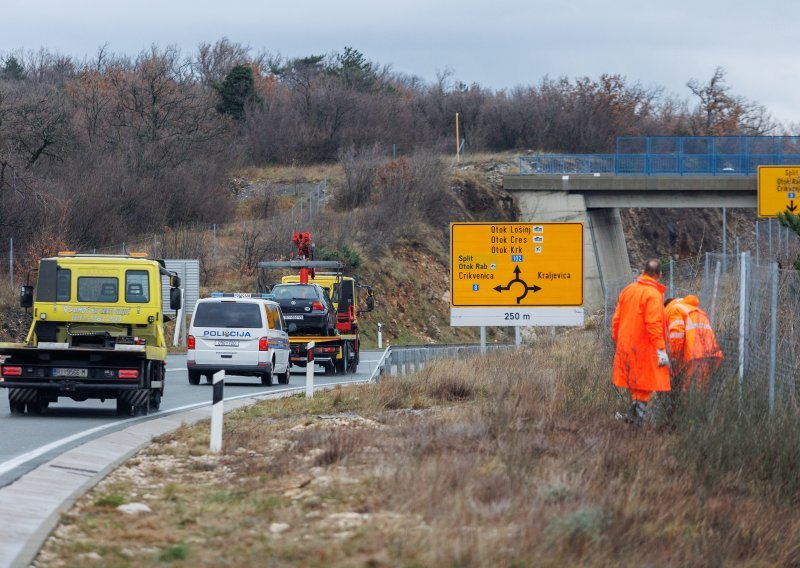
(407, 359)
(674, 155)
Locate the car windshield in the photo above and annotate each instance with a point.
(227, 314)
(295, 293)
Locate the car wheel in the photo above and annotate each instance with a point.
(194, 377)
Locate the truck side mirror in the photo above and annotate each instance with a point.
(26, 296)
(175, 299)
(175, 281)
(370, 304)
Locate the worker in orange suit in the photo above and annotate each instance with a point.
(641, 363)
(693, 348)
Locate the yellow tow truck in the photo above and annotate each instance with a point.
(97, 332)
(340, 352)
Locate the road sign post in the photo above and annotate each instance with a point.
(778, 190)
(516, 274)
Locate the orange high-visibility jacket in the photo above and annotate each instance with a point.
(689, 331)
(638, 330)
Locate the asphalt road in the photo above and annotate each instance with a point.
(27, 441)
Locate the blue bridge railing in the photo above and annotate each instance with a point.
(668, 155)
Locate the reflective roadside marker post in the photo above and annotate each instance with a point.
(380, 336)
(216, 412)
(310, 370)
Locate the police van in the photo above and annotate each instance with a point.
(242, 334)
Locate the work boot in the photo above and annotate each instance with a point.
(636, 414)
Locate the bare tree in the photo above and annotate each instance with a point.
(718, 112)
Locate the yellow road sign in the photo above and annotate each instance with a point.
(778, 190)
(516, 264)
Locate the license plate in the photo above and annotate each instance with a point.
(292, 317)
(70, 372)
(226, 343)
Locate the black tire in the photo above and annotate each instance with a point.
(283, 378)
(342, 364)
(209, 378)
(330, 369)
(155, 400)
(16, 407)
(354, 363)
(34, 407)
(194, 377)
(123, 408)
(266, 379)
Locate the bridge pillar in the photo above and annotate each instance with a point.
(612, 259)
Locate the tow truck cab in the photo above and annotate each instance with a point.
(97, 332)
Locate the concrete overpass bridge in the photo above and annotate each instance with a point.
(593, 188)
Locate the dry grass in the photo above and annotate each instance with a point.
(508, 460)
(291, 174)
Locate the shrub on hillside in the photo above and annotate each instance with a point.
(359, 167)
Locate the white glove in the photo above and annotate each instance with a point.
(663, 358)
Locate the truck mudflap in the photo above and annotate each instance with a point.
(134, 398)
(23, 396)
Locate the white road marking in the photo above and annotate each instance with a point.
(9, 465)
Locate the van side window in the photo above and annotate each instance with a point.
(276, 317)
(270, 316)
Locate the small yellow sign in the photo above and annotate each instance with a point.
(516, 264)
(778, 190)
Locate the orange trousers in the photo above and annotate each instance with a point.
(641, 395)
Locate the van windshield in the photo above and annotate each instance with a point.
(227, 314)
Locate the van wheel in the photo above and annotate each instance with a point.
(266, 379)
(194, 377)
(283, 378)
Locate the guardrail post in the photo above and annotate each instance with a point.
(310, 370)
(483, 339)
(215, 444)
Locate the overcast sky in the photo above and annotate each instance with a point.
(496, 43)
